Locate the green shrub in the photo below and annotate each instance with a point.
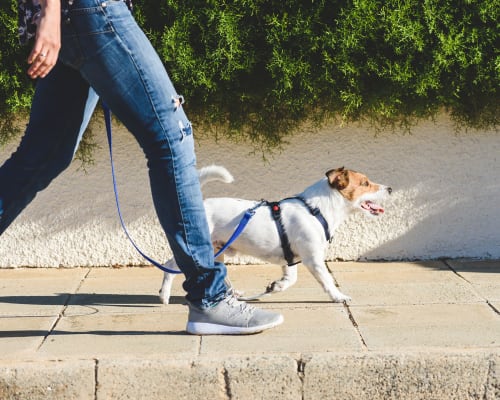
(257, 69)
(15, 88)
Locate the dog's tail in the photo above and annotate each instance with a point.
(214, 173)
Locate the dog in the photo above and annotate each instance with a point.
(339, 194)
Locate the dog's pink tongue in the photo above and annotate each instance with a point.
(374, 208)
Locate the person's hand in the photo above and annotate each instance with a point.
(45, 51)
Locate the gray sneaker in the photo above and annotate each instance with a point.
(230, 317)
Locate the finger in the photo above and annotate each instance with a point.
(41, 66)
(36, 58)
(35, 53)
(45, 71)
(36, 66)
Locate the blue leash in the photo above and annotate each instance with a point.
(241, 226)
(107, 119)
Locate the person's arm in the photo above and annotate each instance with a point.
(45, 51)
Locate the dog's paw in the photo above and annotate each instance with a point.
(164, 298)
(277, 286)
(341, 298)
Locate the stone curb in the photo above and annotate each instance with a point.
(47, 380)
(441, 375)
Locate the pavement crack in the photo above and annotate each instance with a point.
(96, 378)
(450, 267)
(227, 384)
(355, 325)
(53, 326)
(496, 310)
(351, 317)
(490, 385)
(301, 372)
(200, 342)
(63, 310)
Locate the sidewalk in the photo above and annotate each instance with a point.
(423, 330)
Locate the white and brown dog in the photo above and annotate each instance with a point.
(306, 222)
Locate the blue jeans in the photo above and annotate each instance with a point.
(104, 50)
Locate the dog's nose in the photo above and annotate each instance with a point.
(389, 189)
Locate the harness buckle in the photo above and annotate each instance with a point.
(275, 209)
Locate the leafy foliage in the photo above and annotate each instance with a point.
(15, 88)
(258, 69)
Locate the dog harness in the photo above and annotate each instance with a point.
(275, 207)
(285, 243)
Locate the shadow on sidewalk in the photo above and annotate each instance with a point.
(91, 299)
(126, 300)
(42, 333)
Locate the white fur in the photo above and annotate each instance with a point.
(260, 237)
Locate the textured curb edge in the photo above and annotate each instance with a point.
(317, 376)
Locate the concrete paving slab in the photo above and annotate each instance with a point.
(36, 292)
(405, 376)
(428, 326)
(113, 303)
(130, 280)
(23, 335)
(121, 334)
(42, 380)
(164, 378)
(120, 290)
(403, 283)
(308, 329)
(484, 276)
(47, 275)
(277, 378)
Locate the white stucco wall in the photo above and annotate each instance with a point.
(445, 201)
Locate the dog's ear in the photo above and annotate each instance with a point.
(338, 178)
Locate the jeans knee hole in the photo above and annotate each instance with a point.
(186, 129)
(178, 101)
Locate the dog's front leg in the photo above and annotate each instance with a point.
(168, 279)
(320, 272)
(288, 279)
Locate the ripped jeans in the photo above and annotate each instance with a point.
(104, 53)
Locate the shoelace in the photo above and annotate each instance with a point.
(233, 301)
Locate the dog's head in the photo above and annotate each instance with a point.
(358, 190)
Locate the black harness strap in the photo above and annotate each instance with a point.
(285, 242)
(317, 213)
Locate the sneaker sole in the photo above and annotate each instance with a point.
(204, 328)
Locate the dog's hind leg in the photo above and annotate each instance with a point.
(320, 272)
(288, 279)
(168, 279)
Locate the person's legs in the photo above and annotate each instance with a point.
(105, 44)
(61, 109)
(119, 62)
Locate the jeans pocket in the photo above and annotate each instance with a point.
(89, 21)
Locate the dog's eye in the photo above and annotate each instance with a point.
(365, 183)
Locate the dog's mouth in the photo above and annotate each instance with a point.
(371, 207)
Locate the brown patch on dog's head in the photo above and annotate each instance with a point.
(338, 178)
(350, 184)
